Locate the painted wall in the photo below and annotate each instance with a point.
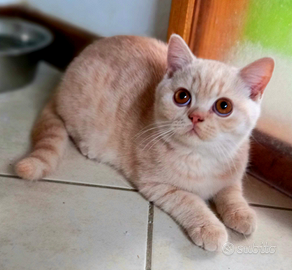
(8, 2)
(111, 17)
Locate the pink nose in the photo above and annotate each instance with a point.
(196, 118)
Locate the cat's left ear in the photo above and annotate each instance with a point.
(257, 75)
(178, 55)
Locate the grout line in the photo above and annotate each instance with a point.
(151, 209)
(72, 183)
(149, 237)
(270, 207)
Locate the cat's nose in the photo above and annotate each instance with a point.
(196, 118)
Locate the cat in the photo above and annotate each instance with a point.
(176, 126)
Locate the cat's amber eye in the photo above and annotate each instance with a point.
(223, 107)
(182, 97)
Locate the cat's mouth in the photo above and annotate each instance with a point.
(195, 132)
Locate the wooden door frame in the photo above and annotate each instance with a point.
(200, 24)
(181, 18)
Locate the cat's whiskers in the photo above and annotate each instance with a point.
(164, 134)
(168, 137)
(157, 137)
(164, 137)
(173, 126)
(152, 135)
(153, 125)
(149, 129)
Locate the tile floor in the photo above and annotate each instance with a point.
(86, 216)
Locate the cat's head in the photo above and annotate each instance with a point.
(200, 101)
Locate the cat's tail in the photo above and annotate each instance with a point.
(49, 139)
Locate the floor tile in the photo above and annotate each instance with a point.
(60, 226)
(18, 111)
(172, 250)
(260, 193)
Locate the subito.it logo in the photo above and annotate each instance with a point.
(228, 249)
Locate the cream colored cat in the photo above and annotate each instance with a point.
(178, 127)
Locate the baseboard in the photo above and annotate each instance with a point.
(270, 159)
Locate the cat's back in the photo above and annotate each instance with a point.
(120, 56)
(122, 49)
(126, 48)
(114, 66)
(110, 87)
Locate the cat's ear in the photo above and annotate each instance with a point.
(257, 75)
(178, 55)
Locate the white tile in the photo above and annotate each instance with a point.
(172, 250)
(18, 111)
(260, 193)
(62, 226)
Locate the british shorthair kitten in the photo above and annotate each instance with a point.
(177, 126)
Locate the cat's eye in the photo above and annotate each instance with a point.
(182, 97)
(223, 107)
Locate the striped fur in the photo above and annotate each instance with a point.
(49, 139)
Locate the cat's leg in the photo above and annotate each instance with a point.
(89, 141)
(190, 211)
(234, 210)
(88, 147)
(84, 138)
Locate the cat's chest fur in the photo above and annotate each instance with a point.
(196, 173)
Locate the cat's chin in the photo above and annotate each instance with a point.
(188, 139)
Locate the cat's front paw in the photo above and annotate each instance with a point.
(87, 151)
(210, 236)
(242, 220)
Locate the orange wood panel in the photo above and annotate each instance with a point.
(217, 25)
(181, 18)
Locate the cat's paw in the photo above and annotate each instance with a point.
(242, 220)
(210, 236)
(87, 151)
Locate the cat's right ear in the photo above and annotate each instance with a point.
(257, 75)
(178, 55)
